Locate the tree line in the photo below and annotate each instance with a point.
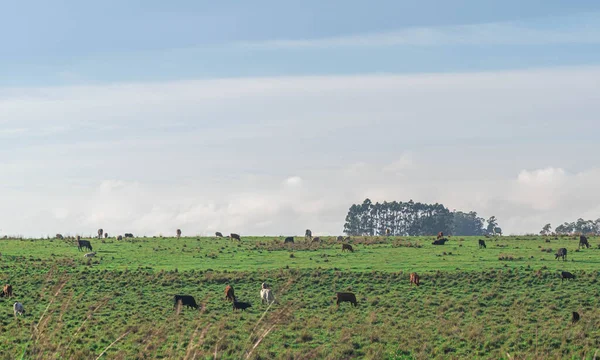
(576, 227)
(415, 219)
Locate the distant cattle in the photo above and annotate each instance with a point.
(265, 286)
(562, 252)
(59, 236)
(316, 239)
(583, 241)
(482, 244)
(236, 237)
(84, 244)
(18, 309)
(218, 234)
(346, 297)
(347, 247)
(229, 293)
(266, 296)
(308, 234)
(106, 235)
(566, 275)
(340, 238)
(439, 241)
(238, 305)
(440, 235)
(186, 300)
(414, 279)
(92, 254)
(119, 237)
(128, 235)
(289, 239)
(7, 291)
(575, 317)
(387, 232)
(100, 231)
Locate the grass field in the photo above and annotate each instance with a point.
(471, 304)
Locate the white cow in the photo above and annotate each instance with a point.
(18, 309)
(266, 295)
(92, 254)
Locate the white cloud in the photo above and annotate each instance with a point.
(279, 155)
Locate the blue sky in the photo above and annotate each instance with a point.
(268, 118)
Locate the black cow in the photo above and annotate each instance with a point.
(566, 275)
(583, 241)
(316, 239)
(482, 244)
(346, 297)
(347, 247)
(439, 241)
(128, 235)
(308, 234)
(562, 252)
(84, 244)
(186, 300)
(575, 317)
(235, 236)
(289, 239)
(340, 238)
(218, 234)
(241, 305)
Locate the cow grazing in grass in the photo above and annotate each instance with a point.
(347, 247)
(178, 233)
(266, 296)
(583, 241)
(59, 236)
(119, 237)
(308, 234)
(316, 239)
(562, 252)
(186, 300)
(236, 237)
(575, 318)
(482, 244)
(566, 275)
(440, 235)
(439, 241)
(92, 254)
(100, 231)
(106, 235)
(414, 279)
(7, 291)
(218, 234)
(346, 297)
(128, 235)
(238, 305)
(18, 309)
(84, 244)
(289, 239)
(229, 293)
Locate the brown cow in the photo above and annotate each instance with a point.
(347, 247)
(414, 279)
(346, 297)
(229, 293)
(440, 235)
(7, 291)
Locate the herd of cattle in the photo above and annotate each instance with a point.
(266, 293)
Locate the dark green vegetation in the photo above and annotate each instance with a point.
(470, 303)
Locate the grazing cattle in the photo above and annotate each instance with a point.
(218, 234)
(92, 254)
(289, 239)
(84, 244)
(583, 241)
(18, 309)
(575, 318)
(414, 279)
(7, 291)
(346, 297)
(59, 236)
(236, 236)
(186, 300)
(178, 233)
(347, 247)
(241, 305)
(128, 235)
(106, 235)
(100, 231)
(439, 241)
(482, 244)
(566, 275)
(266, 295)
(229, 293)
(308, 234)
(440, 235)
(340, 238)
(119, 237)
(387, 232)
(562, 252)
(316, 239)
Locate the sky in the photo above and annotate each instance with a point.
(268, 118)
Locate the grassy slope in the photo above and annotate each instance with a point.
(470, 304)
